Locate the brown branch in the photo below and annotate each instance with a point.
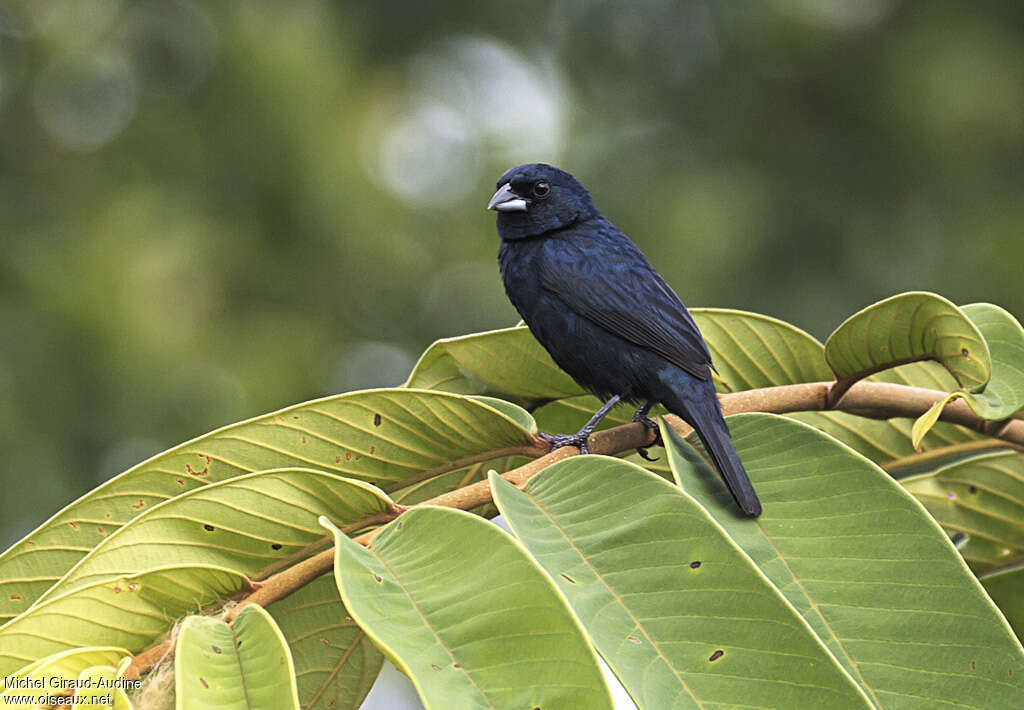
(870, 399)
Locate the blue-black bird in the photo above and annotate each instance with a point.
(595, 303)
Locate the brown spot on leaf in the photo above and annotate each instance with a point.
(348, 618)
(303, 440)
(216, 649)
(275, 546)
(695, 564)
(716, 655)
(203, 681)
(181, 481)
(203, 472)
(456, 665)
(373, 450)
(208, 527)
(324, 640)
(348, 455)
(30, 543)
(15, 597)
(295, 417)
(100, 530)
(337, 459)
(568, 579)
(140, 505)
(972, 665)
(73, 525)
(358, 456)
(117, 590)
(378, 578)
(376, 419)
(966, 353)
(973, 489)
(435, 666)
(633, 639)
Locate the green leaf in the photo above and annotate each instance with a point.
(1006, 587)
(513, 411)
(98, 688)
(906, 328)
(388, 437)
(243, 665)
(507, 363)
(129, 612)
(873, 574)
(751, 350)
(1004, 394)
(335, 662)
(682, 616)
(251, 524)
(984, 497)
(62, 666)
(467, 615)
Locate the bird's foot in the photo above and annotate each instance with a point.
(642, 417)
(579, 440)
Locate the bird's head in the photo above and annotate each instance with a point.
(534, 199)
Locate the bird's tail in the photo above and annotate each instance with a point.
(706, 418)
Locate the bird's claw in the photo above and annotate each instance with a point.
(557, 441)
(645, 420)
(642, 452)
(652, 425)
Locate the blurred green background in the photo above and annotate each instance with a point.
(212, 210)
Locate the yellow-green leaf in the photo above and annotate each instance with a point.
(251, 524)
(128, 612)
(243, 665)
(388, 437)
(983, 497)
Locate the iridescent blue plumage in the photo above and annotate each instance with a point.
(592, 299)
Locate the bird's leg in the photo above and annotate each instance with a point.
(641, 416)
(579, 439)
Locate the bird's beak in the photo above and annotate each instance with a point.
(505, 200)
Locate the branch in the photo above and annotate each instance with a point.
(876, 400)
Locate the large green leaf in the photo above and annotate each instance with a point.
(682, 616)
(507, 363)
(983, 497)
(243, 665)
(1006, 587)
(751, 350)
(129, 612)
(250, 524)
(387, 437)
(62, 667)
(467, 615)
(906, 328)
(335, 662)
(873, 574)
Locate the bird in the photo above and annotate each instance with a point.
(605, 315)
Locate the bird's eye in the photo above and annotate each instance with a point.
(541, 189)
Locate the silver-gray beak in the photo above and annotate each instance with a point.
(506, 200)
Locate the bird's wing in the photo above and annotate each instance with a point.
(611, 284)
